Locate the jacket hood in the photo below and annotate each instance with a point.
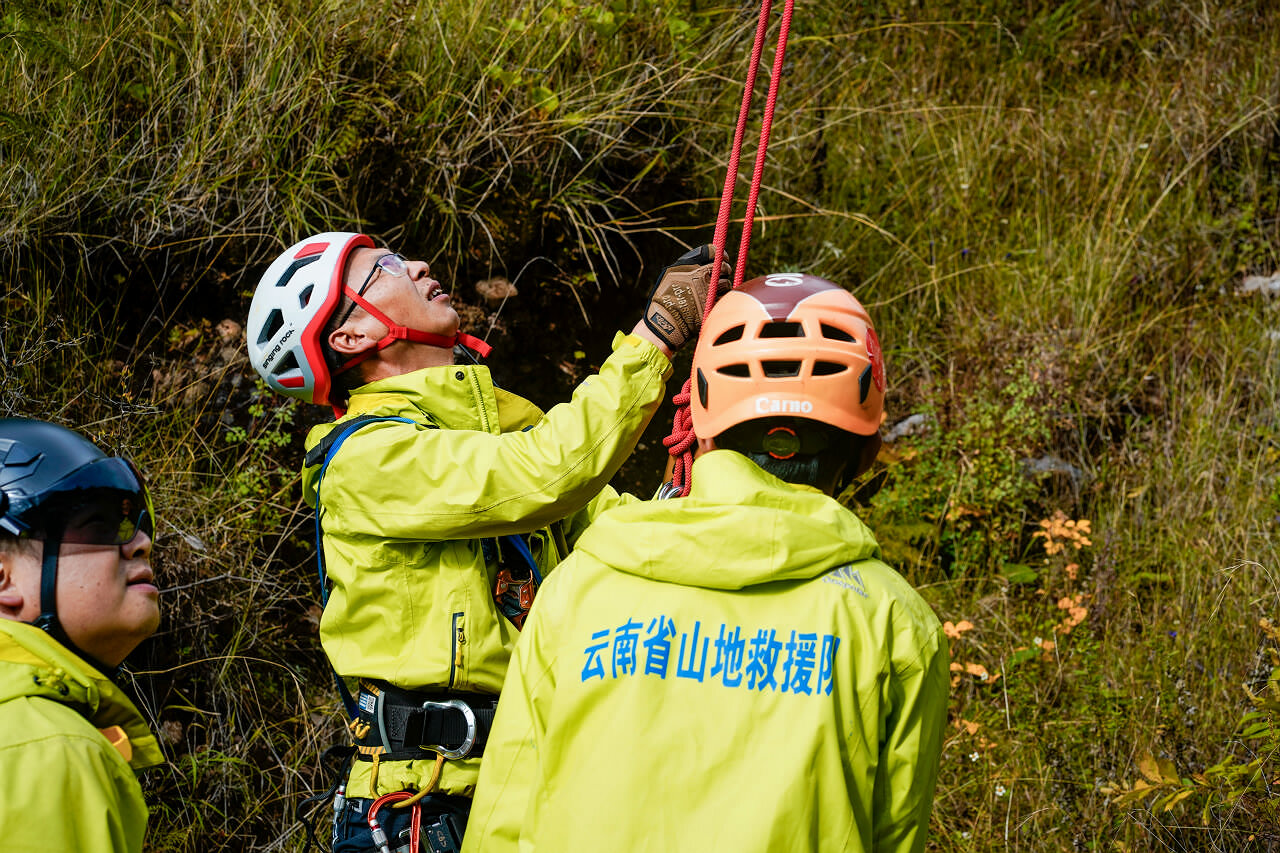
(33, 664)
(738, 527)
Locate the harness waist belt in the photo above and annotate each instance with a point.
(408, 724)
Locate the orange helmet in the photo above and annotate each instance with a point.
(788, 345)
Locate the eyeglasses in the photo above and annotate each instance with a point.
(392, 263)
(102, 503)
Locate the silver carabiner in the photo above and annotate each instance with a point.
(469, 715)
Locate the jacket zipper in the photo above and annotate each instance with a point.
(458, 640)
(479, 395)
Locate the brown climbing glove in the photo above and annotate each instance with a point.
(678, 299)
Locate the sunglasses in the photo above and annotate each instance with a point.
(109, 518)
(393, 263)
(102, 503)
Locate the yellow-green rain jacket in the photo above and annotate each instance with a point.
(65, 732)
(404, 507)
(734, 670)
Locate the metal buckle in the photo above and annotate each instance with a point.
(467, 714)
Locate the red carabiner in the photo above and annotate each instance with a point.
(379, 834)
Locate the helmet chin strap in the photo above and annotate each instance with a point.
(396, 332)
(47, 621)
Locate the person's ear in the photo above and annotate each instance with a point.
(11, 597)
(350, 341)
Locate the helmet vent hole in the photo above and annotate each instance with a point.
(741, 371)
(275, 320)
(305, 296)
(780, 369)
(729, 336)
(288, 362)
(702, 389)
(782, 330)
(864, 385)
(828, 368)
(837, 334)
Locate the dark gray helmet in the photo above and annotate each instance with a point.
(57, 486)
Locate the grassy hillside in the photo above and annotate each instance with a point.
(1062, 216)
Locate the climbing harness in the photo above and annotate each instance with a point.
(401, 725)
(680, 443)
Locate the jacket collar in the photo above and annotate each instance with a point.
(34, 664)
(452, 397)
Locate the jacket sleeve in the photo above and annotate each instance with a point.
(911, 747)
(511, 769)
(69, 793)
(410, 483)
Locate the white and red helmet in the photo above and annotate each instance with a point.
(293, 303)
(295, 299)
(788, 344)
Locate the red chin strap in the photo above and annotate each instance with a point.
(396, 332)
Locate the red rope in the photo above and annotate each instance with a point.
(766, 126)
(680, 443)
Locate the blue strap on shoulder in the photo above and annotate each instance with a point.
(327, 447)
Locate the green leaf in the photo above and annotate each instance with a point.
(544, 99)
(1020, 657)
(503, 76)
(1019, 573)
(1167, 803)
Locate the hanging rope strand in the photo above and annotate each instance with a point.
(680, 443)
(766, 126)
(735, 155)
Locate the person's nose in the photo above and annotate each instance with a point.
(139, 547)
(418, 270)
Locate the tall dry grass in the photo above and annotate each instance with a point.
(1048, 208)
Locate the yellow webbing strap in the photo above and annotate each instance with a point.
(431, 786)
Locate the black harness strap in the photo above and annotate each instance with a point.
(405, 725)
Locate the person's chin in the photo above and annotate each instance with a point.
(147, 624)
(144, 606)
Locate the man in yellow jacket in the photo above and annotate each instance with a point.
(443, 501)
(77, 595)
(735, 669)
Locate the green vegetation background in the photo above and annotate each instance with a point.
(1063, 217)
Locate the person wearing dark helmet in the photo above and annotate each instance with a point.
(442, 499)
(77, 595)
(735, 669)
